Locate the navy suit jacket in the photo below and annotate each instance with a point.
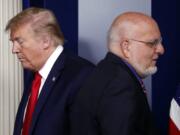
(111, 102)
(52, 109)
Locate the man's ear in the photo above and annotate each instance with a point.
(46, 41)
(125, 47)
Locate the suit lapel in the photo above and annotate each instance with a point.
(47, 88)
(21, 110)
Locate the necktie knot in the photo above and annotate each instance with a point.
(36, 82)
(37, 76)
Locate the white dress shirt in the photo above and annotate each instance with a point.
(44, 71)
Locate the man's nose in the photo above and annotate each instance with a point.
(160, 49)
(15, 48)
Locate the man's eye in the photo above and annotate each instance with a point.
(152, 43)
(155, 42)
(20, 42)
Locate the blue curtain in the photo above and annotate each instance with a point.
(165, 82)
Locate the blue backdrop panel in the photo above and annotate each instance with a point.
(164, 83)
(66, 12)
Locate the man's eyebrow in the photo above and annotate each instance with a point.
(14, 39)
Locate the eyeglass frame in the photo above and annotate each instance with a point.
(150, 43)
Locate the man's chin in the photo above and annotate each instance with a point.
(27, 66)
(150, 71)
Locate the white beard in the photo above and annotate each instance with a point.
(150, 71)
(145, 72)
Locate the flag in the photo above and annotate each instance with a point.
(174, 123)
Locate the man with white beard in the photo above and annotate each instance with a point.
(113, 100)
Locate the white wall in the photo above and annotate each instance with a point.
(95, 18)
(11, 73)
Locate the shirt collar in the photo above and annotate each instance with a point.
(133, 70)
(44, 71)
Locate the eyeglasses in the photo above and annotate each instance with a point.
(150, 43)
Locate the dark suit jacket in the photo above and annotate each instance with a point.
(111, 102)
(52, 109)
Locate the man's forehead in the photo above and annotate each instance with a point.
(14, 33)
(17, 34)
(19, 30)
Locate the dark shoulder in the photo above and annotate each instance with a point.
(75, 64)
(111, 71)
(77, 61)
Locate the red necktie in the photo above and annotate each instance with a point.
(31, 104)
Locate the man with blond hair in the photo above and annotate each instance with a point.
(38, 43)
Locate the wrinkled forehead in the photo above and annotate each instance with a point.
(21, 30)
